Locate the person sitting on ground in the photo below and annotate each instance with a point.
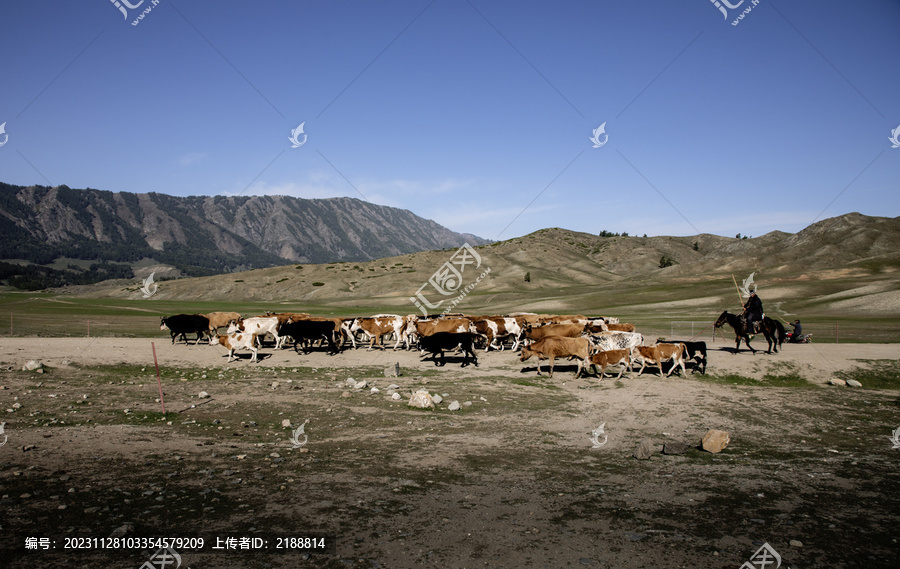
(797, 334)
(753, 313)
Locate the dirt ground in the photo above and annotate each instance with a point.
(510, 480)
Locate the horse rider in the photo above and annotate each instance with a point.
(753, 313)
(797, 334)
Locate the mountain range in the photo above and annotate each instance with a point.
(201, 235)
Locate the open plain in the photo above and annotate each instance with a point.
(509, 480)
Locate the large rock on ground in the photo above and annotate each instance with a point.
(421, 400)
(715, 441)
(645, 450)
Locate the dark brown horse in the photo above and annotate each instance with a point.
(771, 329)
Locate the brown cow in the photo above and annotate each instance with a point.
(557, 347)
(455, 325)
(562, 319)
(620, 327)
(536, 333)
(608, 358)
(659, 353)
(217, 320)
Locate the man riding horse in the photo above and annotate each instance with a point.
(753, 313)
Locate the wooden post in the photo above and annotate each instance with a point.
(158, 381)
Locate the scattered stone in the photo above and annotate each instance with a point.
(203, 395)
(437, 399)
(645, 450)
(675, 448)
(350, 382)
(392, 370)
(92, 510)
(345, 394)
(467, 404)
(27, 448)
(362, 384)
(795, 543)
(32, 365)
(853, 383)
(374, 390)
(421, 400)
(286, 423)
(454, 406)
(274, 455)
(39, 370)
(714, 440)
(122, 530)
(835, 381)
(275, 385)
(393, 386)
(396, 396)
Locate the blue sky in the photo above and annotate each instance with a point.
(476, 114)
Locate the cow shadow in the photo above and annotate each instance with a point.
(557, 368)
(259, 357)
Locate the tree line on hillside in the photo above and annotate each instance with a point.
(35, 277)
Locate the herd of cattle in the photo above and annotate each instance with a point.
(592, 341)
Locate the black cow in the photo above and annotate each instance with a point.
(695, 351)
(181, 324)
(310, 330)
(438, 342)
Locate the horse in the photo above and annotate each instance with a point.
(773, 330)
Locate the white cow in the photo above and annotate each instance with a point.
(258, 326)
(604, 341)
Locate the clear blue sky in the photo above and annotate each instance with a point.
(476, 114)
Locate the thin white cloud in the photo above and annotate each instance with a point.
(191, 158)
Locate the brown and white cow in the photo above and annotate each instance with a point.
(608, 358)
(376, 328)
(558, 347)
(659, 353)
(238, 341)
(494, 328)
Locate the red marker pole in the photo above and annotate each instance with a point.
(158, 381)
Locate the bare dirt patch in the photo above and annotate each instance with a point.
(510, 480)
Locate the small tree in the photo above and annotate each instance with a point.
(665, 261)
(696, 245)
(528, 277)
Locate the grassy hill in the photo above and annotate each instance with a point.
(839, 272)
